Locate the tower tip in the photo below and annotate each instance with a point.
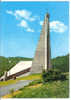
(47, 15)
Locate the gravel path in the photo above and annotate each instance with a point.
(6, 89)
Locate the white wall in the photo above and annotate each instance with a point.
(22, 65)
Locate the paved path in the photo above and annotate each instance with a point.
(6, 89)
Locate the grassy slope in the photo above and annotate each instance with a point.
(54, 89)
(50, 90)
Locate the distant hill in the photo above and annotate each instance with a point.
(61, 63)
(8, 63)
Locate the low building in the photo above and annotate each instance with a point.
(18, 70)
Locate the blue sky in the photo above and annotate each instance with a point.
(21, 23)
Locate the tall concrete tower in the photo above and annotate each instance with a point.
(42, 55)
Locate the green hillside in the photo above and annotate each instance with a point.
(8, 63)
(61, 63)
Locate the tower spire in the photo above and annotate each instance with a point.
(42, 55)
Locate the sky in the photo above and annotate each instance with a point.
(21, 25)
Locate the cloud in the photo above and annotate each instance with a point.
(24, 16)
(32, 19)
(9, 12)
(41, 22)
(56, 26)
(23, 13)
(27, 15)
(25, 25)
(30, 30)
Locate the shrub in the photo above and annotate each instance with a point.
(35, 82)
(52, 75)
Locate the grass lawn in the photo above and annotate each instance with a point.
(55, 89)
(36, 89)
(30, 77)
(4, 83)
